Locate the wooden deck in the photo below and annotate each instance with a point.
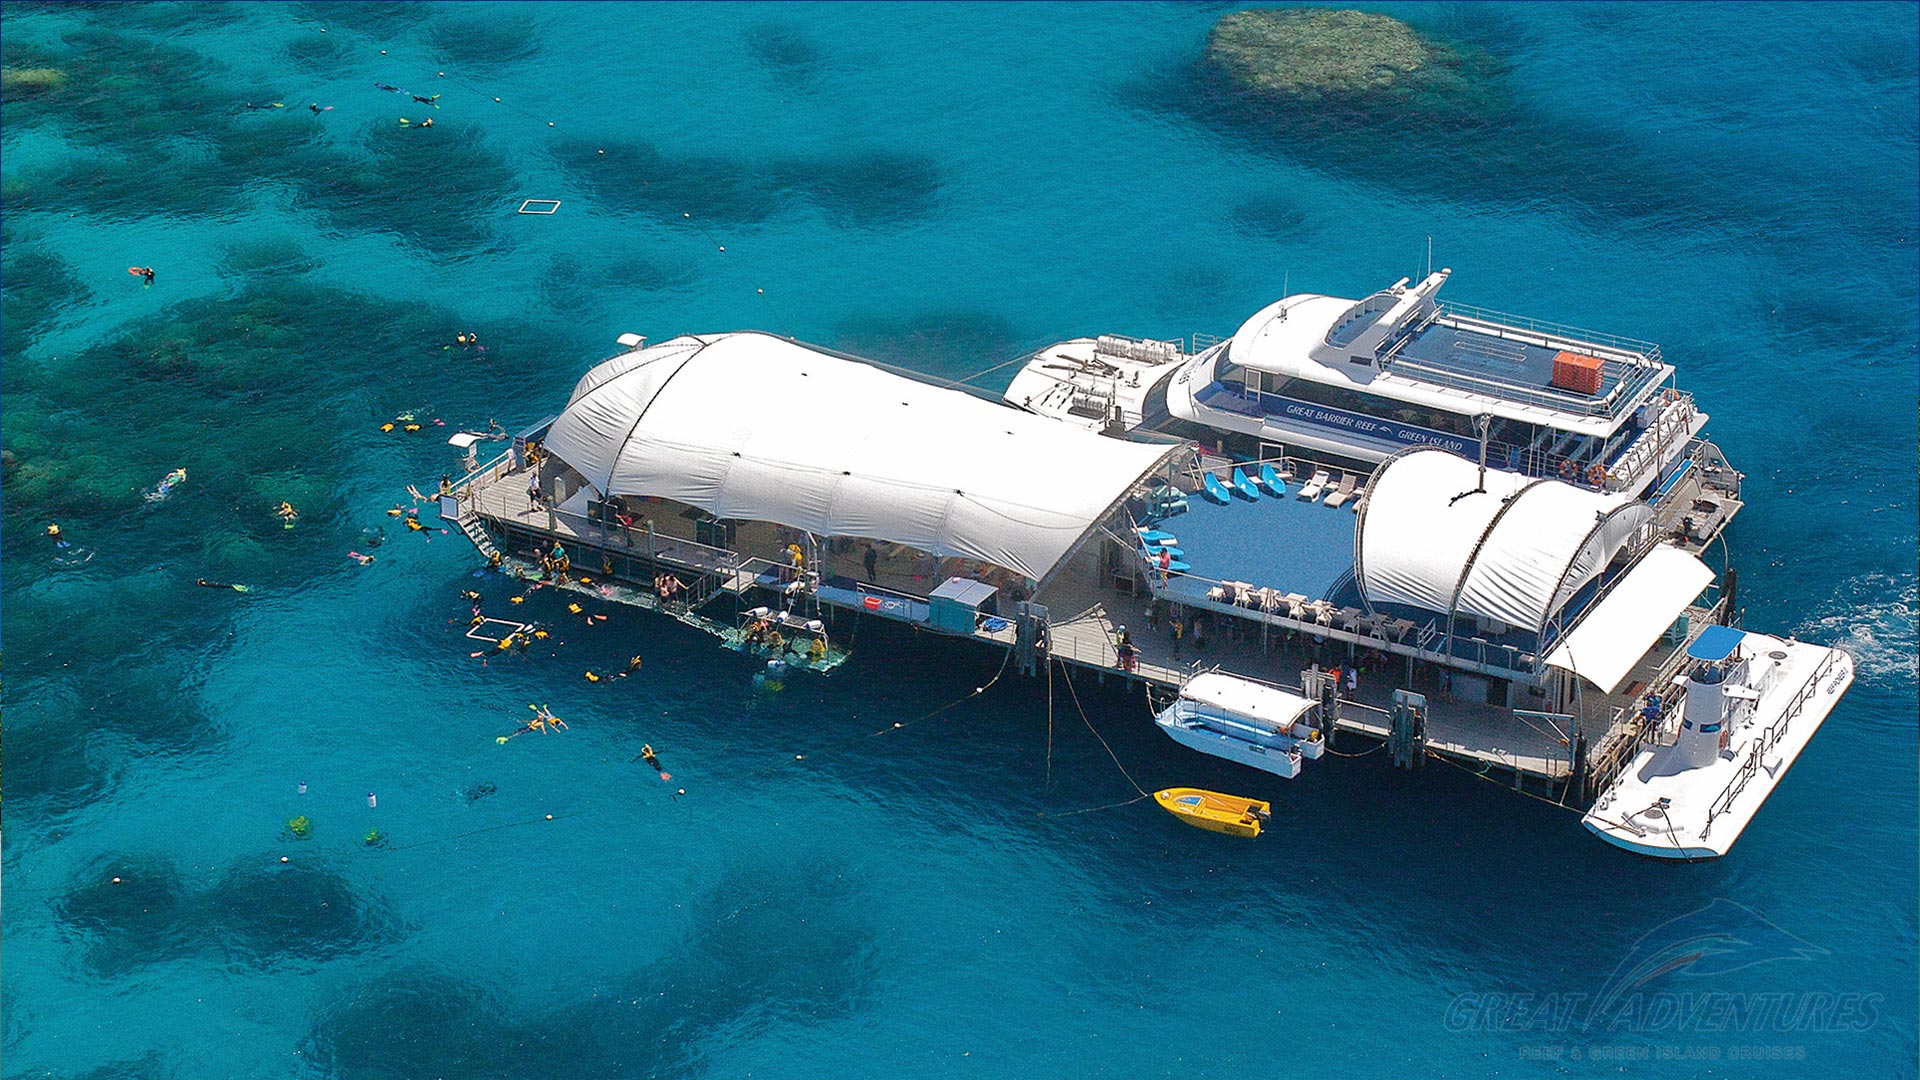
(1082, 622)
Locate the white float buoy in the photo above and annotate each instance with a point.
(303, 787)
(371, 801)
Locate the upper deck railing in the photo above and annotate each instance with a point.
(1631, 365)
(1559, 332)
(1765, 741)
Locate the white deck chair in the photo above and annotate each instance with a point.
(1312, 489)
(1342, 493)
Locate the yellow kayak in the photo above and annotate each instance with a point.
(1210, 810)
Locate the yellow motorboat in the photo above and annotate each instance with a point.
(1210, 810)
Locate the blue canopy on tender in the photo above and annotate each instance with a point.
(1716, 643)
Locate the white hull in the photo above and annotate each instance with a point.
(1701, 819)
(1281, 763)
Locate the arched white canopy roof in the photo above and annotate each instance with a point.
(1514, 553)
(755, 427)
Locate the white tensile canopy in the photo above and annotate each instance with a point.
(1277, 708)
(1620, 629)
(754, 427)
(1513, 553)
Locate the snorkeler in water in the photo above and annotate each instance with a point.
(543, 721)
(319, 108)
(268, 105)
(433, 101)
(205, 584)
(388, 89)
(59, 538)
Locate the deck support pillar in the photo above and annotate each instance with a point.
(1407, 738)
(1577, 779)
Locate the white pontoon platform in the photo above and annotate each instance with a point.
(1752, 703)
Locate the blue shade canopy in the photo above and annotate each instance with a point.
(1716, 643)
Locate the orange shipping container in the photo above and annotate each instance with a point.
(1580, 374)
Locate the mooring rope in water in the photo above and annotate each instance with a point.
(1049, 783)
(1361, 754)
(977, 691)
(1481, 774)
(1068, 676)
(543, 820)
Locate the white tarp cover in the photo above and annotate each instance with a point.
(1514, 553)
(754, 427)
(1618, 631)
(1279, 709)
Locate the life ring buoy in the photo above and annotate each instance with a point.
(1598, 474)
(1568, 470)
(1671, 394)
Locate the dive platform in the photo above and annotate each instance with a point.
(1543, 633)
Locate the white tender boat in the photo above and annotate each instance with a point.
(1750, 704)
(1244, 721)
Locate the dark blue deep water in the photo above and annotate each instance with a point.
(941, 187)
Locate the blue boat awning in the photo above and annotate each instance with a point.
(1716, 643)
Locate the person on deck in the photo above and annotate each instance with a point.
(871, 559)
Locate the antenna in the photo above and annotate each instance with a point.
(1429, 256)
(1286, 281)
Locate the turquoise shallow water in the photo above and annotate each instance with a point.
(939, 186)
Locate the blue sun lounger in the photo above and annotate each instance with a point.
(1244, 486)
(1215, 489)
(1271, 480)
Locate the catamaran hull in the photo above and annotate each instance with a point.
(1282, 763)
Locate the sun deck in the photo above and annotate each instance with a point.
(1503, 356)
(1289, 543)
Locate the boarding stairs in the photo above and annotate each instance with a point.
(470, 524)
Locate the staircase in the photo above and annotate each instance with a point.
(470, 524)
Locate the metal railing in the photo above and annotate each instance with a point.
(1557, 332)
(486, 474)
(1675, 416)
(1489, 658)
(1528, 459)
(1768, 738)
